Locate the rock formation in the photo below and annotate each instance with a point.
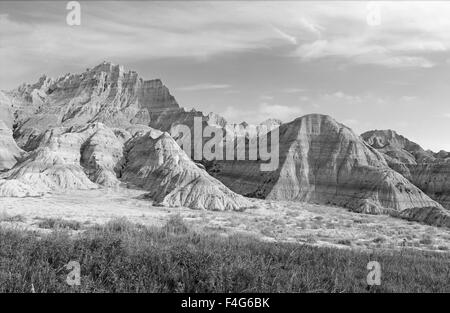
(396, 147)
(6, 110)
(323, 161)
(428, 171)
(54, 165)
(156, 163)
(9, 151)
(105, 94)
(76, 157)
(106, 126)
(102, 154)
(76, 128)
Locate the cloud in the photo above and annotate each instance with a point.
(291, 39)
(293, 90)
(343, 96)
(35, 37)
(261, 112)
(350, 122)
(304, 98)
(356, 50)
(282, 112)
(206, 86)
(410, 35)
(314, 28)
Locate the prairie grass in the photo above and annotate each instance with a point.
(124, 257)
(58, 223)
(4, 217)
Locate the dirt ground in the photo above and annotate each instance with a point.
(269, 220)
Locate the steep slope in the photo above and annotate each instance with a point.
(156, 163)
(323, 161)
(169, 121)
(427, 170)
(6, 110)
(102, 155)
(9, 151)
(54, 166)
(396, 146)
(68, 158)
(105, 94)
(76, 157)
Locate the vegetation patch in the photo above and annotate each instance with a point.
(124, 257)
(58, 223)
(4, 217)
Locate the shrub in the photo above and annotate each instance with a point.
(346, 242)
(379, 240)
(176, 225)
(57, 223)
(426, 240)
(4, 217)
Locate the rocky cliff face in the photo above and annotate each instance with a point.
(6, 110)
(323, 161)
(53, 167)
(156, 163)
(105, 94)
(94, 130)
(397, 147)
(9, 151)
(93, 156)
(427, 170)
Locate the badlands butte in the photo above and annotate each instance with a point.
(108, 127)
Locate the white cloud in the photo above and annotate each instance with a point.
(350, 122)
(314, 28)
(358, 51)
(343, 96)
(282, 112)
(291, 39)
(304, 98)
(409, 35)
(261, 112)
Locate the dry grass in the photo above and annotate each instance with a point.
(4, 217)
(280, 221)
(124, 257)
(58, 223)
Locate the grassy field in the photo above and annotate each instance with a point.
(125, 257)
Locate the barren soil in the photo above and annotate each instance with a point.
(269, 220)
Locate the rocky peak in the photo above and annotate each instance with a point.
(382, 138)
(105, 93)
(396, 146)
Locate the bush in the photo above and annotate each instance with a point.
(426, 240)
(176, 225)
(11, 218)
(379, 240)
(346, 242)
(57, 223)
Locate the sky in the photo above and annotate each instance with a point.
(369, 65)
